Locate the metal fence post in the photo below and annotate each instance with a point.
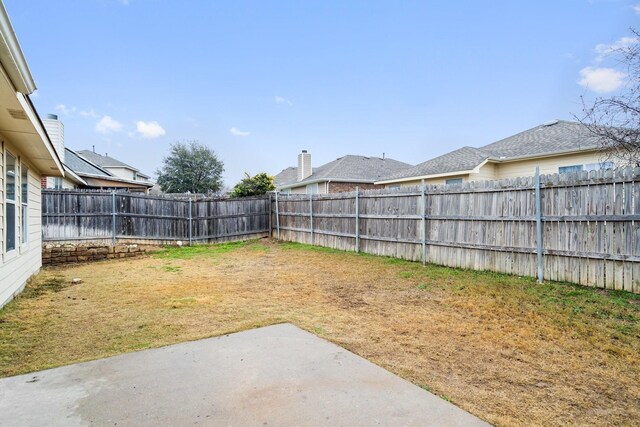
(538, 225)
(357, 220)
(423, 220)
(190, 223)
(113, 217)
(277, 218)
(311, 215)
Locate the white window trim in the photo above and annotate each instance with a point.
(13, 253)
(24, 208)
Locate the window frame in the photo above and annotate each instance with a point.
(14, 202)
(453, 181)
(24, 203)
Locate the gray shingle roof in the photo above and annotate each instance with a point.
(347, 168)
(104, 161)
(555, 137)
(81, 166)
(286, 176)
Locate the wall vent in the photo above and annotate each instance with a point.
(17, 114)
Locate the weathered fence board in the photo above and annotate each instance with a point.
(75, 215)
(590, 225)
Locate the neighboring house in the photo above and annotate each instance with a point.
(556, 147)
(115, 167)
(82, 172)
(343, 174)
(26, 153)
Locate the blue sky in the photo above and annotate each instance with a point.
(259, 81)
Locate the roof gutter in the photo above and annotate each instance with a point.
(12, 57)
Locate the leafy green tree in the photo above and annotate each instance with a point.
(190, 167)
(253, 185)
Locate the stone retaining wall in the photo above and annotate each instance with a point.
(56, 253)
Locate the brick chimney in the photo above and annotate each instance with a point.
(304, 165)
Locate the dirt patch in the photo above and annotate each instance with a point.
(504, 348)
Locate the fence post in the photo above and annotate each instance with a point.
(190, 223)
(538, 224)
(357, 220)
(277, 218)
(423, 199)
(311, 215)
(113, 217)
(270, 216)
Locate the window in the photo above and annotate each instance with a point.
(24, 199)
(10, 205)
(587, 167)
(453, 181)
(598, 166)
(57, 183)
(312, 188)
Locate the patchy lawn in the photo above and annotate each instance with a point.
(504, 348)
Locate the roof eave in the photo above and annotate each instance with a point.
(544, 155)
(13, 58)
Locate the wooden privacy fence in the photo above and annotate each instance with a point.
(581, 227)
(80, 215)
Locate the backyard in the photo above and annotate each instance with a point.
(501, 347)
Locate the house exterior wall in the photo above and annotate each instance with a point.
(333, 187)
(340, 187)
(50, 182)
(525, 167)
(431, 181)
(547, 165)
(123, 173)
(18, 265)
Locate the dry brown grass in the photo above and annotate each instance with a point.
(507, 350)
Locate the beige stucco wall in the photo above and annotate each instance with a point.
(18, 265)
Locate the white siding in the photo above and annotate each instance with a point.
(547, 165)
(123, 173)
(18, 266)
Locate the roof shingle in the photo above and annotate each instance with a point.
(555, 137)
(346, 168)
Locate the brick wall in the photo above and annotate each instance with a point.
(340, 187)
(53, 254)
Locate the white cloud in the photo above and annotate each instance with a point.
(636, 8)
(89, 113)
(65, 110)
(281, 100)
(238, 132)
(601, 80)
(107, 125)
(149, 129)
(604, 49)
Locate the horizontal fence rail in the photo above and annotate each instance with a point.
(75, 215)
(581, 227)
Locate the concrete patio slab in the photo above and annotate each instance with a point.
(274, 376)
